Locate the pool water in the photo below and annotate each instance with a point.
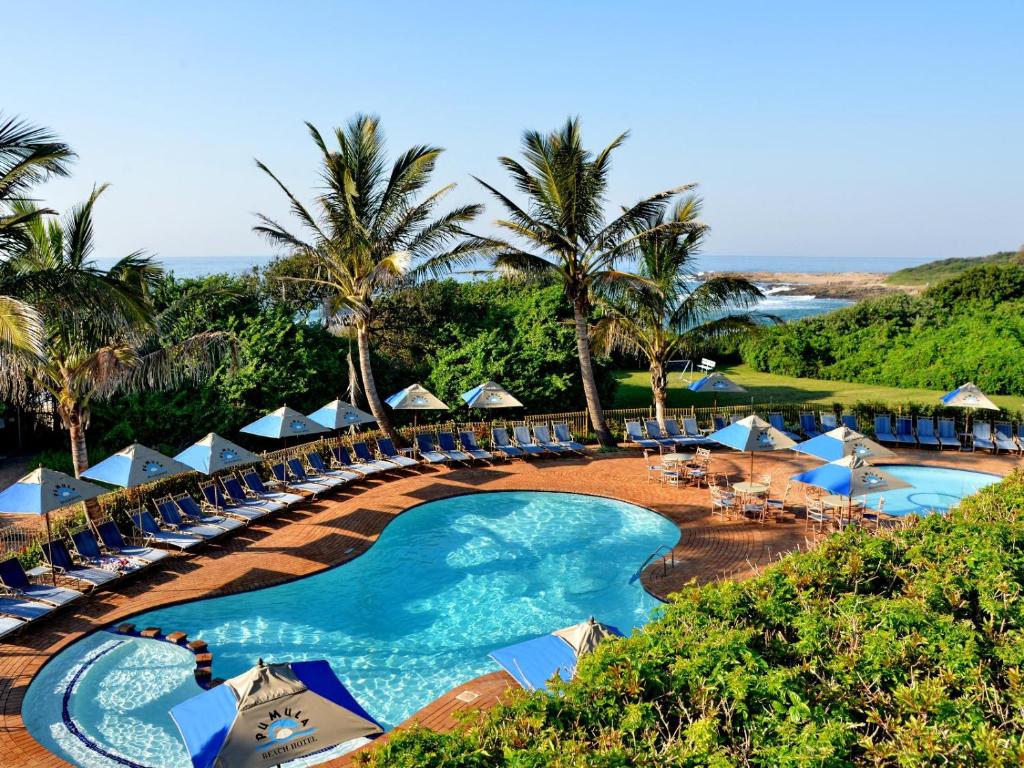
(935, 489)
(446, 583)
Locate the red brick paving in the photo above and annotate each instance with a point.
(332, 531)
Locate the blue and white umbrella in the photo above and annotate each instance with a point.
(968, 396)
(415, 397)
(851, 476)
(752, 435)
(135, 465)
(338, 414)
(840, 442)
(270, 715)
(283, 423)
(716, 382)
(490, 395)
(214, 453)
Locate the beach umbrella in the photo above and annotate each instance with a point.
(415, 397)
(716, 382)
(968, 396)
(269, 715)
(285, 422)
(840, 442)
(134, 466)
(851, 476)
(338, 414)
(752, 435)
(584, 637)
(214, 453)
(490, 395)
(42, 491)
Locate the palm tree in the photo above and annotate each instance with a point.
(670, 312)
(563, 231)
(370, 231)
(28, 155)
(95, 348)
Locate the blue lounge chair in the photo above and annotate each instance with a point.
(151, 532)
(387, 449)
(237, 497)
(26, 610)
(776, 420)
(653, 430)
(808, 425)
(981, 437)
(947, 434)
(114, 543)
(469, 444)
(1020, 435)
(828, 421)
(883, 429)
(850, 421)
(91, 551)
(905, 431)
(343, 460)
(194, 514)
(11, 624)
(542, 437)
(365, 454)
(446, 442)
(926, 432)
(215, 498)
(1003, 436)
(320, 469)
(428, 451)
(501, 443)
(296, 470)
(255, 483)
(13, 576)
(692, 432)
(565, 437)
(672, 432)
(718, 422)
(521, 434)
(170, 514)
(56, 553)
(634, 435)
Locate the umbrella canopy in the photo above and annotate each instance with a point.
(583, 638)
(213, 453)
(43, 490)
(134, 466)
(968, 396)
(490, 395)
(752, 434)
(716, 382)
(840, 442)
(338, 414)
(415, 398)
(284, 422)
(269, 715)
(851, 476)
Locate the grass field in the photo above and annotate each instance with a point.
(936, 271)
(634, 391)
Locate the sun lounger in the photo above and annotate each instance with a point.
(524, 441)
(634, 436)
(11, 624)
(428, 451)
(170, 514)
(542, 437)
(446, 442)
(14, 578)
(296, 470)
(776, 420)
(565, 437)
(387, 449)
(850, 421)
(151, 532)
(718, 422)
(653, 430)
(905, 431)
(672, 432)
(238, 498)
(255, 484)
(195, 514)
(692, 432)
(808, 425)
(26, 610)
(926, 432)
(502, 444)
(215, 498)
(91, 551)
(365, 455)
(316, 463)
(342, 460)
(828, 421)
(283, 478)
(58, 556)
(1003, 436)
(114, 543)
(883, 429)
(947, 434)
(469, 444)
(1020, 435)
(981, 437)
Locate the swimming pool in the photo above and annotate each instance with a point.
(935, 489)
(446, 583)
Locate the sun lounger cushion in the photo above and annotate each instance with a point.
(57, 554)
(388, 451)
(564, 436)
(13, 576)
(501, 442)
(112, 539)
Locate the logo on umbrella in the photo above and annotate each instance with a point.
(860, 449)
(870, 478)
(226, 454)
(297, 426)
(350, 416)
(971, 399)
(65, 492)
(419, 400)
(283, 728)
(719, 385)
(494, 397)
(153, 468)
(765, 439)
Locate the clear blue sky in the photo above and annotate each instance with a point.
(826, 129)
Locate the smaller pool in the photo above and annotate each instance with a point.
(935, 489)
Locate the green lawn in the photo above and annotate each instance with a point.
(634, 391)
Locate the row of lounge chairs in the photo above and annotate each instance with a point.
(690, 436)
(922, 431)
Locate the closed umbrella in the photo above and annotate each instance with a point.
(338, 414)
(283, 423)
(753, 435)
(840, 442)
(214, 453)
(490, 395)
(135, 465)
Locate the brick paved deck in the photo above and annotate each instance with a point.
(327, 532)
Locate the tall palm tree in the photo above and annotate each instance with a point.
(94, 349)
(562, 230)
(671, 312)
(369, 230)
(28, 155)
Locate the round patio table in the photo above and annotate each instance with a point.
(677, 458)
(754, 489)
(838, 501)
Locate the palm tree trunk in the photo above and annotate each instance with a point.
(74, 420)
(659, 386)
(604, 437)
(369, 385)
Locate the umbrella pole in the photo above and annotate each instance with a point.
(751, 466)
(49, 538)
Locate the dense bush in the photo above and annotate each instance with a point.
(897, 648)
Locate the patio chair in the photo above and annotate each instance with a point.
(849, 421)
(755, 507)
(808, 425)
(723, 504)
(1003, 436)
(428, 451)
(469, 444)
(446, 442)
(872, 517)
(905, 431)
(777, 505)
(151, 532)
(113, 542)
(565, 437)
(981, 437)
(947, 434)
(521, 434)
(255, 483)
(365, 455)
(296, 470)
(816, 516)
(238, 497)
(828, 421)
(320, 469)
(653, 470)
(501, 443)
(170, 514)
(89, 550)
(57, 555)
(341, 459)
(387, 449)
(634, 436)
(693, 433)
(718, 422)
(883, 429)
(653, 430)
(776, 420)
(215, 498)
(194, 514)
(14, 578)
(542, 437)
(926, 432)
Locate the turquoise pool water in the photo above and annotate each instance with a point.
(935, 489)
(416, 615)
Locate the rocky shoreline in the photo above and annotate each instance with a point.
(828, 285)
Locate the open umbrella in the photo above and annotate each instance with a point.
(840, 442)
(42, 491)
(851, 476)
(490, 395)
(752, 434)
(969, 397)
(415, 397)
(269, 715)
(338, 414)
(716, 382)
(214, 453)
(135, 465)
(285, 422)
